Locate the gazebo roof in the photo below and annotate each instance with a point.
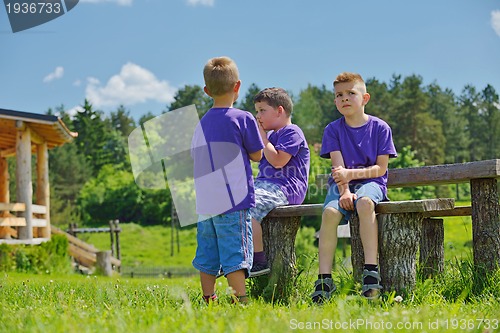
(47, 128)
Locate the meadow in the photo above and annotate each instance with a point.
(459, 300)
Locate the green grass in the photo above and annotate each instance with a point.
(149, 246)
(96, 304)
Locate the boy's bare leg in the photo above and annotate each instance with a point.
(207, 283)
(258, 243)
(236, 281)
(328, 239)
(368, 229)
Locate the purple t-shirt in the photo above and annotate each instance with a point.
(292, 178)
(223, 175)
(359, 146)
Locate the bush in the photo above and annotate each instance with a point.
(51, 256)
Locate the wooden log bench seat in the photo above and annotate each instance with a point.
(404, 227)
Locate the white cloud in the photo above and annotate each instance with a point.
(495, 21)
(77, 83)
(132, 85)
(118, 2)
(73, 111)
(208, 3)
(56, 74)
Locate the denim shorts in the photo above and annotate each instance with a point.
(224, 241)
(267, 197)
(371, 190)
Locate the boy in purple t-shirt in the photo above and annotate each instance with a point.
(223, 145)
(284, 168)
(359, 146)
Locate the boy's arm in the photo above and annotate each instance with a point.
(342, 175)
(277, 158)
(347, 198)
(256, 156)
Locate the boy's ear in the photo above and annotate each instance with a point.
(366, 98)
(205, 89)
(281, 110)
(237, 86)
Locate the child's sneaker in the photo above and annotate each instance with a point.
(323, 290)
(371, 291)
(258, 269)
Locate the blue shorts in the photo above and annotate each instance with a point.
(371, 190)
(224, 241)
(267, 197)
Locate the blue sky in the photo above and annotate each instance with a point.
(139, 52)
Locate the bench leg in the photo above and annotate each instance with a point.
(399, 237)
(432, 247)
(279, 243)
(485, 223)
(357, 253)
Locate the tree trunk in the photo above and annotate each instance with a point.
(399, 237)
(432, 247)
(485, 223)
(357, 253)
(278, 234)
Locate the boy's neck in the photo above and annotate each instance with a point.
(223, 101)
(356, 120)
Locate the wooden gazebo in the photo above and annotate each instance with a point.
(22, 135)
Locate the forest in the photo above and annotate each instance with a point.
(92, 181)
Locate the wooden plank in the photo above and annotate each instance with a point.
(74, 240)
(39, 209)
(85, 258)
(297, 210)
(443, 174)
(40, 223)
(414, 206)
(435, 174)
(33, 241)
(116, 262)
(457, 211)
(13, 207)
(12, 222)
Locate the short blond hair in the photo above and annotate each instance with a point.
(221, 75)
(349, 77)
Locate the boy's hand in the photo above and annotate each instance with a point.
(341, 175)
(346, 200)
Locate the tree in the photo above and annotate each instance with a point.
(247, 103)
(490, 112)
(313, 111)
(470, 102)
(191, 95)
(122, 121)
(443, 107)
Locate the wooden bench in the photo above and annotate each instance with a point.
(401, 225)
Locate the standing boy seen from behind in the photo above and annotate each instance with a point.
(223, 144)
(284, 168)
(359, 146)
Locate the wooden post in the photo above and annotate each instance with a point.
(4, 193)
(399, 237)
(111, 236)
(23, 176)
(485, 223)
(432, 247)
(279, 235)
(103, 264)
(117, 238)
(43, 187)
